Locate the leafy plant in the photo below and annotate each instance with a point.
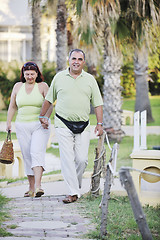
(127, 81)
(49, 70)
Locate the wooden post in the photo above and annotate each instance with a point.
(127, 181)
(95, 181)
(104, 204)
(107, 187)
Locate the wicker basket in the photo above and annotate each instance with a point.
(7, 153)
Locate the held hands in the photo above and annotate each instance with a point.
(98, 130)
(44, 121)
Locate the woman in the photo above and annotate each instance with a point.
(28, 96)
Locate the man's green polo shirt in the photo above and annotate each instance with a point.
(73, 96)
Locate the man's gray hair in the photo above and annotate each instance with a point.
(76, 50)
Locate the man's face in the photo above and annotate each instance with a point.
(76, 62)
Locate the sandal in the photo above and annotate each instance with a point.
(70, 199)
(39, 192)
(29, 194)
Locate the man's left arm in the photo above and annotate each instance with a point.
(99, 115)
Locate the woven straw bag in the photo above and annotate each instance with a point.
(7, 153)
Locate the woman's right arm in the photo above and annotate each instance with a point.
(12, 106)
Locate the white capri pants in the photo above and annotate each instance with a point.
(74, 157)
(33, 139)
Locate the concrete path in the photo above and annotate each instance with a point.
(48, 218)
(54, 185)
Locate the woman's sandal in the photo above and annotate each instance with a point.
(29, 194)
(70, 199)
(39, 192)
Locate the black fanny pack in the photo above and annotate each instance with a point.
(75, 127)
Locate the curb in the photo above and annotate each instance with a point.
(45, 179)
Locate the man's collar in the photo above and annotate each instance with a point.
(68, 73)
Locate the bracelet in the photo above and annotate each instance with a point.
(100, 123)
(44, 117)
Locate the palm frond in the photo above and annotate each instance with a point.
(79, 7)
(120, 28)
(87, 36)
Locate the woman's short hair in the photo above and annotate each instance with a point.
(31, 66)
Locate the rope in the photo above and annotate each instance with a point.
(96, 159)
(107, 141)
(95, 190)
(97, 173)
(110, 167)
(113, 156)
(142, 171)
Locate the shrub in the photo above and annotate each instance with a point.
(9, 75)
(49, 71)
(127, 81)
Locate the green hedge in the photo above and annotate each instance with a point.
(9, 75)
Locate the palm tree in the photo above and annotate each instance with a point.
(61, 32)
(141, 64)
(139, 15)
(141, 79)
(36, 34)
(97, 16)
(61, 52)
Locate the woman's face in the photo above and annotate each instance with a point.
(30, 76)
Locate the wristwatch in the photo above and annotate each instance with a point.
(98, 123)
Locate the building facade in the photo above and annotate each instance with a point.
(16, 32)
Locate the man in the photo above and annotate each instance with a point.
(73, 89)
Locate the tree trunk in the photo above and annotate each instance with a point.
(141, 75)
(112, 96)
(36, 33)
(61, 32)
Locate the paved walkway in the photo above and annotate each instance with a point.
(48, 217)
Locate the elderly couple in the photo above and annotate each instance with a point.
(74, 90)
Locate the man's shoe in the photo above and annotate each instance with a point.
(39, 192)
(70, 199)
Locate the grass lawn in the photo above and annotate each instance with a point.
(121, 224)
(128, 104)
(123, 158)
(125, 149)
